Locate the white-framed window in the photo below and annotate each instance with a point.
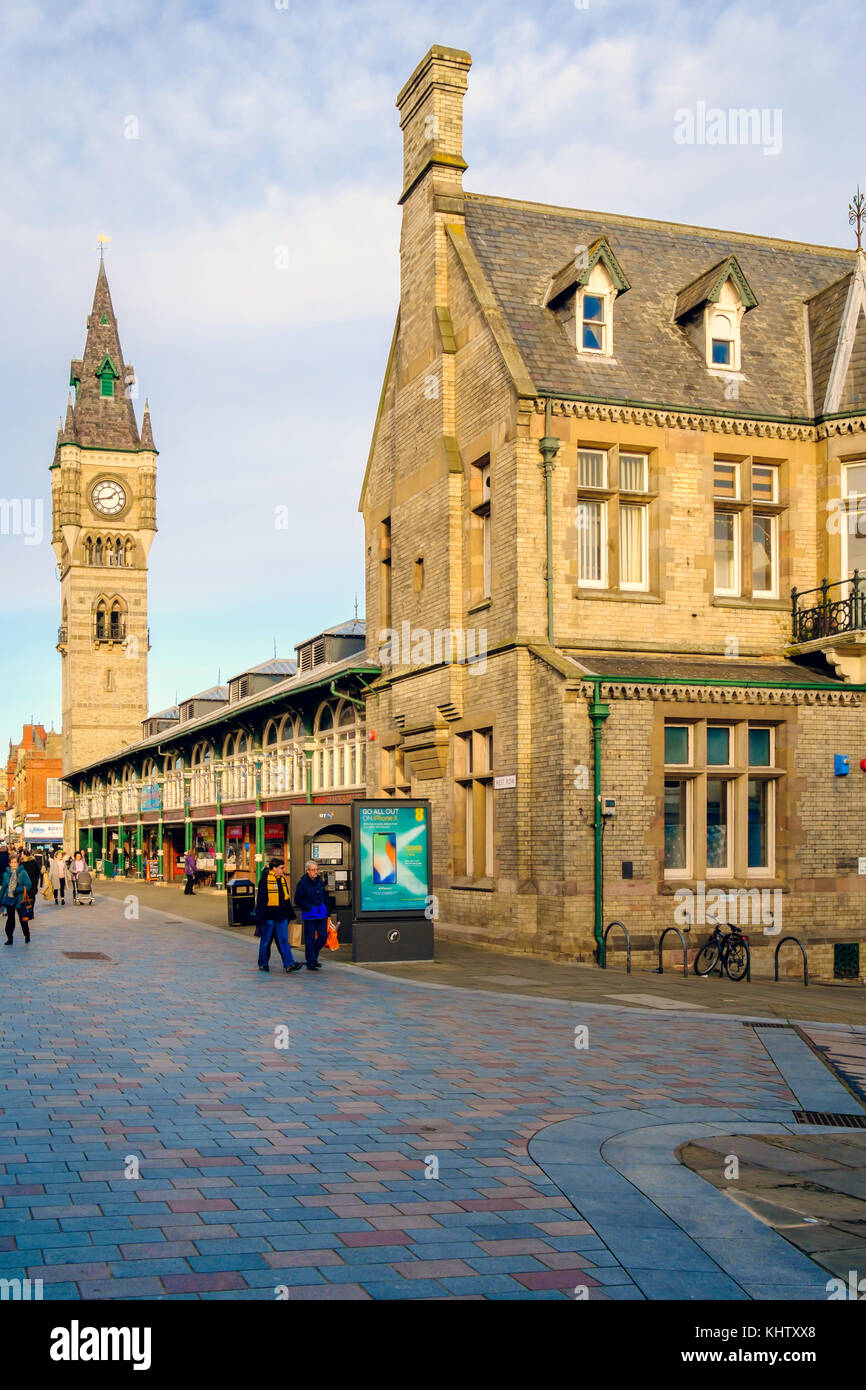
(595, 313)
(592, 473)
(765, 556)
(633, 472)
(727, 553)
(594, 325)
(592, 468)
(592, 545)
(854, 531)
(679, 744)
(633, 546)
(726, 479)
(719, 792)
(678, 827)
(53, 792)
(722, 323)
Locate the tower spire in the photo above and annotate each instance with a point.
(146, 431)
(103, 416)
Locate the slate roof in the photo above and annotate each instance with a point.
(825, 321)
(277, 666)
(171, 713)
(663, 668)
(323, 675)
(521, 246)
(215, 692)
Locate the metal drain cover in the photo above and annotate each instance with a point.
(824, 1117)
(86, 955)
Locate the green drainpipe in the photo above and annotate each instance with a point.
(548, 448)
(598, 712)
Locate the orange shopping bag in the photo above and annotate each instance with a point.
(333, 941)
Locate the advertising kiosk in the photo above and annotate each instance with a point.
(323, 831)
(392, 883)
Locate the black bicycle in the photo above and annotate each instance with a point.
(729, 951)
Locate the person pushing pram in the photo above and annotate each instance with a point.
(84, 879)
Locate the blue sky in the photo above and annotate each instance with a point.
(260, 127)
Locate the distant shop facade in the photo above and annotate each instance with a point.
(221, 773)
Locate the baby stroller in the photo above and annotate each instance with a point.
(85, 888)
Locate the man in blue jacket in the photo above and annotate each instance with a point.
(312, 902)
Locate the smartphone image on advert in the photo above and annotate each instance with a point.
(384, 857)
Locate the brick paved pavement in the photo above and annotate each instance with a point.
(490, 970)
(305, 1168)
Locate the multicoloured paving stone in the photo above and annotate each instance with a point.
(174, 1123)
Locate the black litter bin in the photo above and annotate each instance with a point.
(241, 895)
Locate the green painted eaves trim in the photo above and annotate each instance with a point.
(740, 685)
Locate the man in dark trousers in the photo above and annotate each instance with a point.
(273, 912)
(312, 900)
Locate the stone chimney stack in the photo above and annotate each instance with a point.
(431, 119)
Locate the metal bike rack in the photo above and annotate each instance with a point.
(660, 970)
(609, 928)
(796, 942)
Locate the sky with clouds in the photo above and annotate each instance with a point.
(204, 138)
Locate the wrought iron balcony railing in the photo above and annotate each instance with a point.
(829, 614)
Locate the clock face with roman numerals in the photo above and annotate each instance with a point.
(108, 497)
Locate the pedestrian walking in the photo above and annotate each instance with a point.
(312, 900)
(33, 869)
(16, 898)
(274, 911)
(57, 874)
(78, 864)
(4, 857)
(189, 870)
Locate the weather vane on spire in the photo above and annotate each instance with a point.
(856, 209)
(102, 241)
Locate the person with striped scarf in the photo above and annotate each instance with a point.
(274, 911)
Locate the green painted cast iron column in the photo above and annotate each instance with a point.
(139, 840)
(220, 843)
(598, 712)
(260, 823)
(187, 819)
(160, 850)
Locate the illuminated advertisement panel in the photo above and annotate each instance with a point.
(392, 856)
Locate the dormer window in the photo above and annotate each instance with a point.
(722, 326)
(582, 296)
(710, 310)
(107, 376)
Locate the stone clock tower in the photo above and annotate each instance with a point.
(103, 491)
